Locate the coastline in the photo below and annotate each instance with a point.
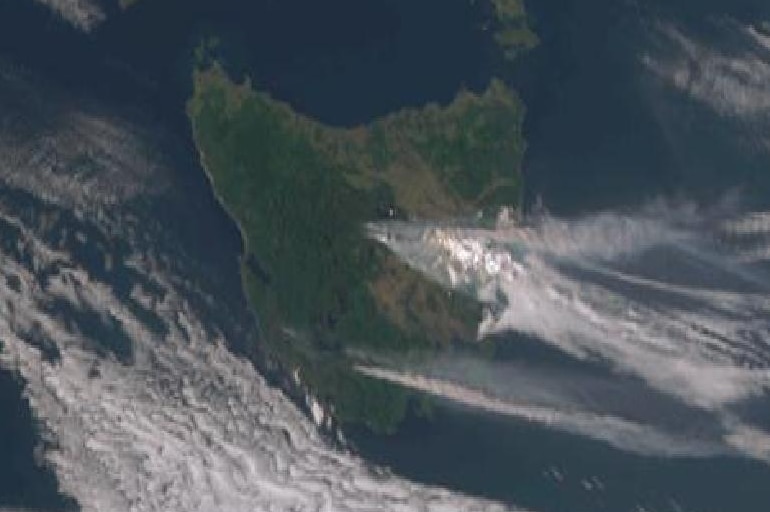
(436, 161)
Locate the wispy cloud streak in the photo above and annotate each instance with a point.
(653, 294)
(613, 430)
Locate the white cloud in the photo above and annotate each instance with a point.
(74, 153)
(83, 14)
(616, 431)
(572, 284)
(733, 82)
(188, 426)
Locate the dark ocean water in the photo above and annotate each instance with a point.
(23, 482)
(543, 470)
(603, 133)
(595, 141)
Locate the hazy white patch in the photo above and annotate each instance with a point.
(73, 154)
(733, 83)
(573, 285)
(754, 223)
(92, 160)
(760, 36)
(751, 236)
(756, 255)
(83, 14)
(615, 431)
(187, 426)
(751, 441)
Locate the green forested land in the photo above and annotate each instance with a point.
(513, 33)
(301, 193)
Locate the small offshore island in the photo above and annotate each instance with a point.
(301, 193)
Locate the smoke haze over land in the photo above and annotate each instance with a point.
(663, 295)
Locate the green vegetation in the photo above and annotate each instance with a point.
(512, 33)
(301, 193)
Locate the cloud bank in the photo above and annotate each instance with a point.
(655, 295)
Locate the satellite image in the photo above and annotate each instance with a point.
(384, 255)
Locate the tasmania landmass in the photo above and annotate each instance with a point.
(302, 192)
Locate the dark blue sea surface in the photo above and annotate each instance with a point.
(341, 61)
(543, 470)
(23, 483)
(603, 133)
